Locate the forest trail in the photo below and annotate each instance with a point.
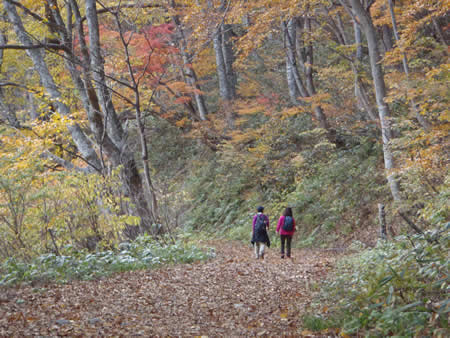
(233, 294)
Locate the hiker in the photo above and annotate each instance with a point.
(286, 229)
(260, 238)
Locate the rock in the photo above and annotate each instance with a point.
(62, 321)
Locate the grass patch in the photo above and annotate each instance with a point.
(318, 323)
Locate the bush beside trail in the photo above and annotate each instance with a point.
(143, 253)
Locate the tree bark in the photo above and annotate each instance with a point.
(380, 94)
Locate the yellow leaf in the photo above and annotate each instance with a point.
(307, 333)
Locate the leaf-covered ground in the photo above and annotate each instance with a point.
(231, 295)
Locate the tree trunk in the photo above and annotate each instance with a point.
(191, 76)
(104, 94)
(7, 113)
(341, 28)
(5, 109)
(224, 57)
(382, 219)
(115, 147)
(228, 57)
(293, 74)
(290, 37)
(380, 93)
(292, 86)
(439, 31)
(154, 214)
(224, 70)
(320, 115)
(387, 38)
(360, 90)
(226, 92)
(290, 29)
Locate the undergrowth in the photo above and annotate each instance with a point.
(143, 253)
(397, 288)
(331, 194)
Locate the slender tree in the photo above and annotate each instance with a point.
(189, 72)
(362, 14)
(299, 86)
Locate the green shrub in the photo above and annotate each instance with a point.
(317, 323)
(143, 253)
(397, 288)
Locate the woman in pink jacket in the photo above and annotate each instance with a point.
(286, 229)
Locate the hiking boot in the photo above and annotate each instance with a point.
(262, 255)
(282, 256)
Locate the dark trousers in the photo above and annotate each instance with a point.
(286, 239)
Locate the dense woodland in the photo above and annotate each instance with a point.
(155, 122)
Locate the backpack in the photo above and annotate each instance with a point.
(260, 224)
(288, 224)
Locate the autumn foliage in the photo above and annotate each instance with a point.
(119, 119)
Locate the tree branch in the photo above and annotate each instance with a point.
(27, 10)
(40, 45)
(66, 164)
(114, 9)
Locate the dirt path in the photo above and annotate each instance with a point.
(231, 295)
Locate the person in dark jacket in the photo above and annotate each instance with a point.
(286, 229)
(260, 238)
